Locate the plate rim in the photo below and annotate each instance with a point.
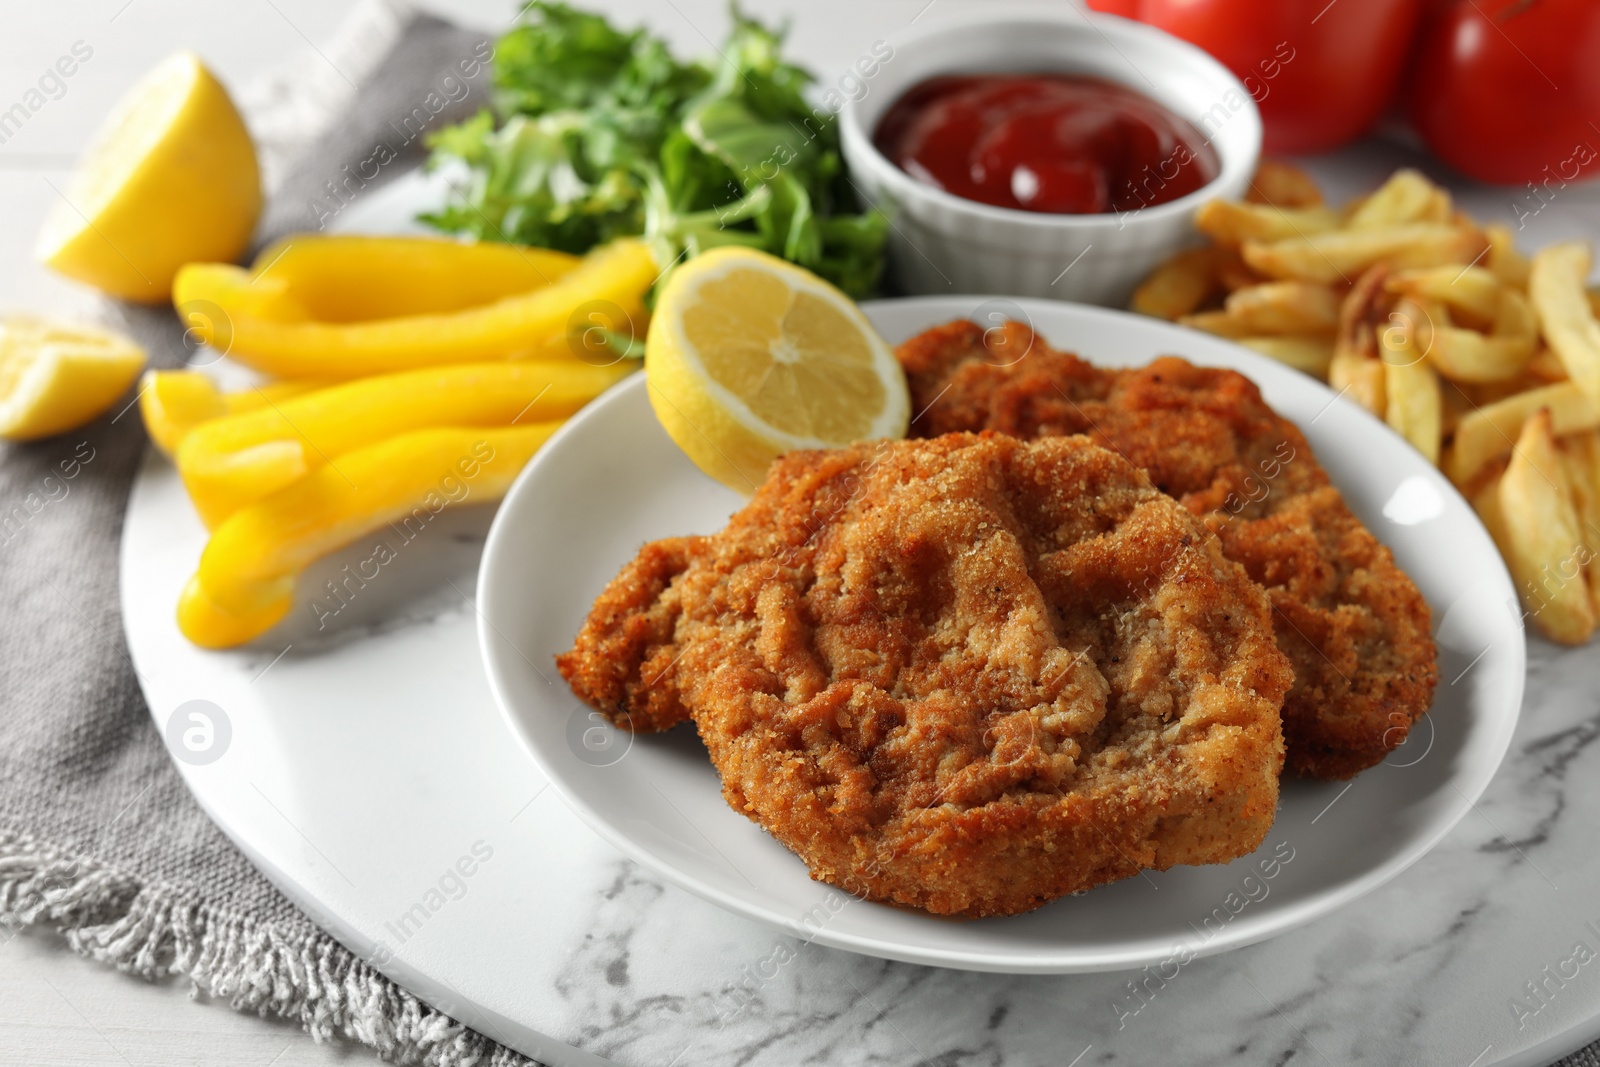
(1128, 958)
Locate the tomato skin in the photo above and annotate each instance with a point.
(1321, 73)
(1505, 90)
(1128, 9)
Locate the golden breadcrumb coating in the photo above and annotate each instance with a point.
(969, 674)
(1354, 626)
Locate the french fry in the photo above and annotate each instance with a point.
(1362, 380)
(1283, 185)
(1355, 368)
(1469, 356)
(1412, 406)
(1412, 402)
(1556, 288)
(1219, 323)
(1439, 209)
(1581, 453)
(1311, 355)
(1230, 223)
(1507, 263)
(1466, 355)
(1545, 369)
(1492, 430)
(1473, 291)
(1486, 394)
(1418, 319)
(1456, 404)
(1179, 285)
(1232, 271)
(1486, 502)
(1547, 552)
(1514, 317)
(1339, 255)
(1285, 308)
(1406, 197)
(1365, 307)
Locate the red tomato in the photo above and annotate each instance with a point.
(1321, 71)
(1508, 91)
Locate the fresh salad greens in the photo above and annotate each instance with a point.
(603, 134)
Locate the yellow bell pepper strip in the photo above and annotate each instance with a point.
(355, 279)
(232, 462)
(261, 322)
(174, 402)
(245, 583)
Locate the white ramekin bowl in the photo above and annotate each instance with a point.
(940, 243)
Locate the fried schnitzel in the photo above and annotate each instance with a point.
(1354, 626)
(969, 674)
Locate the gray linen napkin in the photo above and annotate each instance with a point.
(99, 839)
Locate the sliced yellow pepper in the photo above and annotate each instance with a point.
(354, 279)
(265, 322)
(230, 463)
(174, 402)
(245, 584)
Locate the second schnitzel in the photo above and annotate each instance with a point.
(970, 674)
(1354, 626)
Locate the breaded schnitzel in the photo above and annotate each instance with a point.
(969, 674)
(1354, 626)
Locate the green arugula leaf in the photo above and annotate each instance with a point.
(603, 133)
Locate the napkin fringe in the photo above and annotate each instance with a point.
(155, 931)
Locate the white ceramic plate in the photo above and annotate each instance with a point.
(612, 480)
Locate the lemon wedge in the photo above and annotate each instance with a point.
(749, 356)
(170, 179)
(55, 378)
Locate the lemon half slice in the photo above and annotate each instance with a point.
(55, 378)
(171, 178)
(749, 356)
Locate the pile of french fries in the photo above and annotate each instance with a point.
(1486, 361)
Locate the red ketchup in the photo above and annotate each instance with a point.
(1054, 143)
